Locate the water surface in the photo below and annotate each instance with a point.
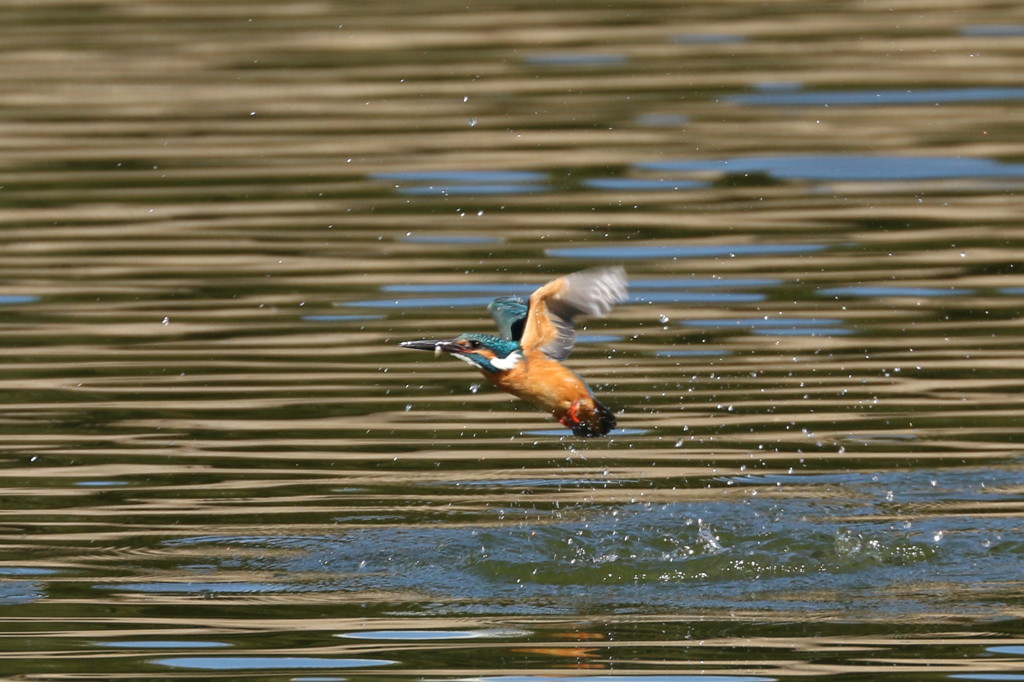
(219, 220)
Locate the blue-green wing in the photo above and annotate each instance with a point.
(509, 312)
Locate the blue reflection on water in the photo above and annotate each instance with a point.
(266, 662)
(451, 239)
(694, 353)
(708, 38)
(879, 97)
(994, 30)
(575, 59)
(465, 182)
(669, 290)
(598, 338)
(640, 184)
(851, 167)
(661, 120)
(775, 326)
(880, 292)
(20, 592)
(15, 299)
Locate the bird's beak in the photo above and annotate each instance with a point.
(438, 346)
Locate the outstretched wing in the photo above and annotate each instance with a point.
(509, 312)
(554, 307)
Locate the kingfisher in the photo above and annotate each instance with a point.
(525, 359)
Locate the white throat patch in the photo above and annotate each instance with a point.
(465, 358)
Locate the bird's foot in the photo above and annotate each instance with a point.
(574, 412)
(571, 419)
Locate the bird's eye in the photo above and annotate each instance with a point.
(474, 344)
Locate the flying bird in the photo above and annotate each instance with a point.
(525, 358)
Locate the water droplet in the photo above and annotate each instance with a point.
(166, 321)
